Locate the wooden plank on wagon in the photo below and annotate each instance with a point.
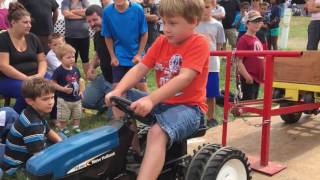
(303, 70)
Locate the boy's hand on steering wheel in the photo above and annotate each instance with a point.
(109, 95)
(143, 106)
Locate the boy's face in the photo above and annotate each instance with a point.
(68, 59)
(245, 9)
(55, 43)
(263, 9)
(254, 26)
(207, 11)
(177, 29)
(42, 104)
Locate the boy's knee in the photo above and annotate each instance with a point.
(155, 132)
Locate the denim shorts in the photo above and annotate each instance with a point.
(177, 120)
(119, 71)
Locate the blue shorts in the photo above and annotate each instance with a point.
(275, 32)
(213, 89)
(178, 121)
(119, 71)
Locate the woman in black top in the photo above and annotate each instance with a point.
(21, 55)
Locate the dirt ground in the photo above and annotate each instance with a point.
(295, 146)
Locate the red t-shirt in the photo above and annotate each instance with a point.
(167, 60)
(254, 65)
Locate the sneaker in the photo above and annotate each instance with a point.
(66, 131)
(76, 130)
(212, 123)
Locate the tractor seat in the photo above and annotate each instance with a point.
(201, 131)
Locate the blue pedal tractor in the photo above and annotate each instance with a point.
(102, 153)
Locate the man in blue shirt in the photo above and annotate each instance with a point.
(124, 27)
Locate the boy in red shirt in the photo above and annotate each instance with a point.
(251, 69)
(180, 59)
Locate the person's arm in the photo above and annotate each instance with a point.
(244, 73)
(91, 73)
(114, 59)
(82, 87)
(152, 18)
(55, 15)
(132, 77)
(64, 89)
(144, 105)
(69, 15)
(143, 41)
(53, 136)
(42, 65)
(9, 70)
(52, 61)
(79, 12)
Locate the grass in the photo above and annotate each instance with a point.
(297, 41)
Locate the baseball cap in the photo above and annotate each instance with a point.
(252, 16)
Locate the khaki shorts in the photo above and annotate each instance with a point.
(68, 110)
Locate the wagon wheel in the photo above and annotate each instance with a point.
(199, 161)
(291, 117)
(227, 164)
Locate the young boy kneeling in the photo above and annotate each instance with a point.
(180, 59)
(28, 134)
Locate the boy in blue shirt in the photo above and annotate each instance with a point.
(29, 132)
(66, 79)
(238, 22)
(124, 27)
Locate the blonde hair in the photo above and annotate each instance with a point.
(64, 49)
(190, 10)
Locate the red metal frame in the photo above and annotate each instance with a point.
(264, 165)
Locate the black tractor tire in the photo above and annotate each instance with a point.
(199, 161)
(227, 163)
(291, 117)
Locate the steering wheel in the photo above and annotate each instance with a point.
(124, 105)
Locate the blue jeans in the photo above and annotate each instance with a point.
(93, 95)
(12, 88)
(178, 121)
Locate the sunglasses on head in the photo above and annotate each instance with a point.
(256, 20)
